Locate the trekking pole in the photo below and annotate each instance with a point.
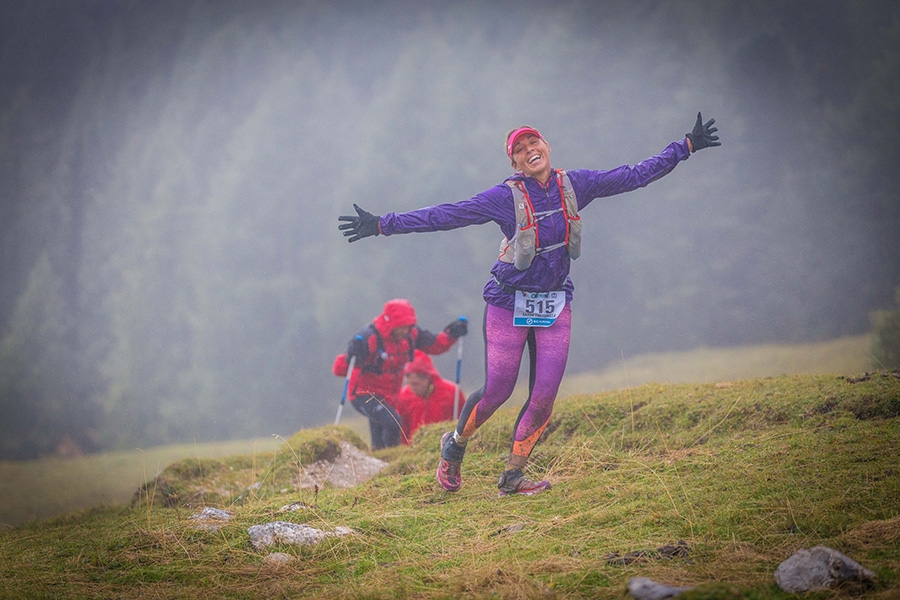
(459, 352)
(337, 418)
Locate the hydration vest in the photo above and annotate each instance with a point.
(525, 244)
(380, 353)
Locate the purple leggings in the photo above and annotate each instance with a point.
(504, 344)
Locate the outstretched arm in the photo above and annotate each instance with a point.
(592, 184)
(491, 205)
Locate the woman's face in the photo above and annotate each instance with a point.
(531, 156)
(418, 383)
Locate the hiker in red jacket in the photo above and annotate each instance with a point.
(426, 397)
(382, 349)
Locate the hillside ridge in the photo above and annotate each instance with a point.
(736, 476)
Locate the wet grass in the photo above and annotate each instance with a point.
(53, 486)
(734, 477)
(48, 487)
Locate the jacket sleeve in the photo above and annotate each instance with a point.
(408, 408)
(430, 343)
(494, 204)
(590, 185)
(340, 366)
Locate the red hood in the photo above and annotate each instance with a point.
(421, 363)
(396, 313)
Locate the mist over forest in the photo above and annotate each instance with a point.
(171, 173)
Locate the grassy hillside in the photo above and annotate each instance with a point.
(52, 486)
(48, 487)
(708, 365)
(734, 477)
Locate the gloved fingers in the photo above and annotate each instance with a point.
(703, 134)
(457, 328)
(358, 227)
(362, 213)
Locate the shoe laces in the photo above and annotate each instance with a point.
(451, 468)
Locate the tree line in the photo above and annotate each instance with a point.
(171, 174)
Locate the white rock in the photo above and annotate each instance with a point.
(276, 559)
(281, 532)
(820, 568)
(212, 513)
(647, 589)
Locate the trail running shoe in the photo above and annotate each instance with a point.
(513, 482)
(451, 460)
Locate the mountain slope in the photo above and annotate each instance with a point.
(683, 484)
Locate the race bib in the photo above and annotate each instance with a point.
(538, 309)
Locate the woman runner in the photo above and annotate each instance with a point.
(529, 293)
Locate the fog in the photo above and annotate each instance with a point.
(172, 172)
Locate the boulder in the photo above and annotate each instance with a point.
(293, 534)
(821, 568)
(643, 588)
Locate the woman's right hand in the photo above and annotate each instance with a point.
(364, 224)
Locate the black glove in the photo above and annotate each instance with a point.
(358, 347)
(457, 328)
(702, 135)
(360, 226)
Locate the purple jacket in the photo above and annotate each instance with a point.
(549, 270)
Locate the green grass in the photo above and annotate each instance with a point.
(744, 473)
(48, 487)
(710, 365)
(52, 486)
(40, 489)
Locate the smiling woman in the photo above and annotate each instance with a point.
(529, 292)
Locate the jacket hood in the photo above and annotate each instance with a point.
(396, 313)
(421, 363)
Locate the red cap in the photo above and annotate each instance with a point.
(511, 140)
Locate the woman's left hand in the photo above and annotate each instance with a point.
(702, 135)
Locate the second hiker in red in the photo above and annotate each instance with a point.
(426, 397)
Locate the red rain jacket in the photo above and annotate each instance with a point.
(382, 374)
(436, 407)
